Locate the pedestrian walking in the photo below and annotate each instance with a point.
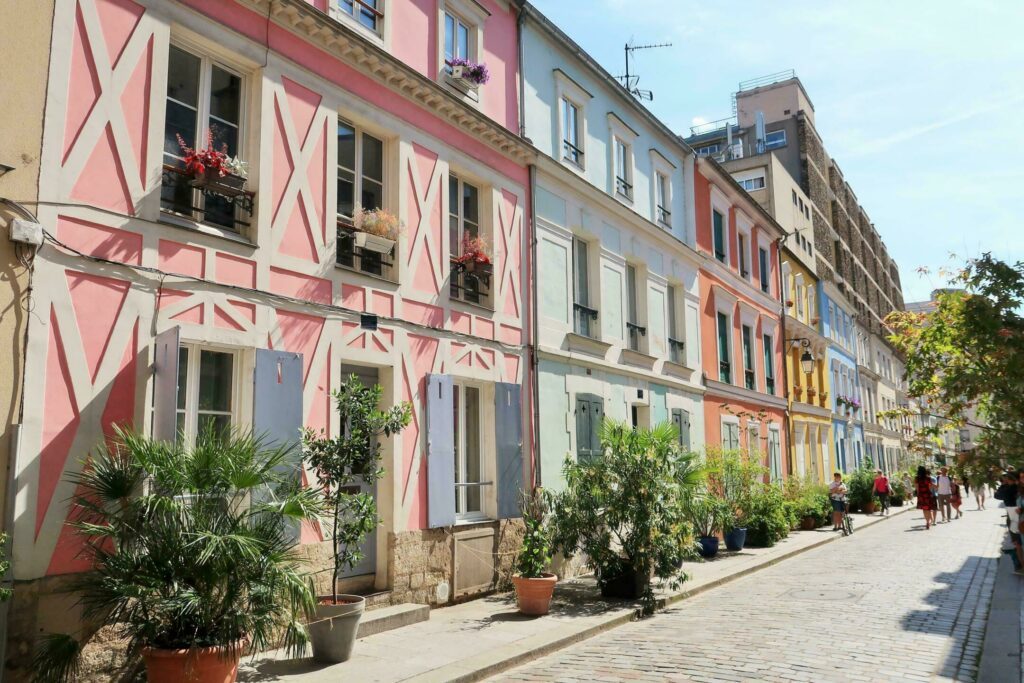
(837, 494)
(1009, 496)
(944, 489)
(979, 492)
(882, 491)
(925, 496)
(908, 484)
(955, 500)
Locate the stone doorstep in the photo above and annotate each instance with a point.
(383, 619)
(504, 657)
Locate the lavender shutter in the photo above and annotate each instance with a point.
(508, 438)
(277, 399)
(165, 385)
(440, 451)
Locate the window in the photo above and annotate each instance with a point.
(463, 225)
(589, 413)
(458, 39)
(741, 241)
(206, 387)
(623, 169)
(794, 197)
(676, 346)
(799, 300)
(366, 12)
(571, 133)
(763, 269)
(662, 199)
(724, 366)
(718, 233)
(730, 436)
(753, 440)
(769, 364)
(751, 184)
(633, 328)
(468, 452)
(359, 189)
(203, 98)
(775, 139)
(749, 380)
(708, 150)
(584, 317)
(681, 421)
(774, 454)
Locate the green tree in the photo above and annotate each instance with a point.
(353, 457)
(965, 357)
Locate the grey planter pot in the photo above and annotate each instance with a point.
(333, 634)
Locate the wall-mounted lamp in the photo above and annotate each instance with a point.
(806, 359)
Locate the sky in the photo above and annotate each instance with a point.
(921, 104)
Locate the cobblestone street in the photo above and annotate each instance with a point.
(893, 603)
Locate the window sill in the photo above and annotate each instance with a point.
(677, 370)
(463, 90)
(469, 304)
(638, 359)
(470, 520)
(179, 221)
(363, 273)
(347, 20)
(588, 345)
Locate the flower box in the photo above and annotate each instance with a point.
(471, 73)
(375, 243)
(228, 185)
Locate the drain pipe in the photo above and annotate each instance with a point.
(785, 361)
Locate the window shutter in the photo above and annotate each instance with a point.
(681, 421)
(508, 436)
(277, 399)
(440, 451)
(582, 429)
(165, 385)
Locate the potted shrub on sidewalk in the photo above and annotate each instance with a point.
(621, 510)
(192, 552)
(733, 477)
(340, 463)
(533, 585)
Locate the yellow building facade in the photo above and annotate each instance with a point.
(810, 421)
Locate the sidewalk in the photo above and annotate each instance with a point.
(476, 639)
(1001, 655)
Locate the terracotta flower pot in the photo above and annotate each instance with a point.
(808, 524)
(534, 595)
(200, 665)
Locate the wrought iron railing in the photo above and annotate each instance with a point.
(350, 255)
(211, 201)
(471, 282)
(725, 371)
(664, 215)
(571, 152)
(634, 332)
(749, 380)
(676, 351)
(623, 188)
(583, 319)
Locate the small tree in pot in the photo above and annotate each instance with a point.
(340, 463)
(708, 514)
(621, 510)
(192, 554)
(534, 586)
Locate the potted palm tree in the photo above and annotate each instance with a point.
(707, 513)
(339, 463)
(193, 554)
(534, 586)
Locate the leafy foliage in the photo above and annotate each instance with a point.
(899, 492)
(806, 498)
(860, 486)
(734, 478)
(965, 357)
(191, 546)
(535, 552)
(622, 510)
(767, 519)
(706, 512)
(350, 459)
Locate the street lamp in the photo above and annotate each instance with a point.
(806, 359)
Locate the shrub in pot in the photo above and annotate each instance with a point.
(193, 553)
(860, 486)
(766, 519)
(734, 478)
(534, 586)
(621, 510)
(899, 492)
(340, 464)
(707, 515)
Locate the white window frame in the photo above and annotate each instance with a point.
(381, 35)
(745, 252)
(720, 203)
(751, 184)
(753, 431)
(191, 409)
(732, 421)
(570, 91)
(208, 59)
(484, 226)
(473, 16)
(725, 303)
(661, 167)
(708, 150)
(619, 133)
(387, 192)
(486, 473)
(775, 459)
(777, 144)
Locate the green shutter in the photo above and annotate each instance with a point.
(681, 421)
(589, 412)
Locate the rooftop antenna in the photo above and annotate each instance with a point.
(630, 81)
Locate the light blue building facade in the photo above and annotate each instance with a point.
(839, 327)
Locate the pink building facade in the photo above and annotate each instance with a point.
(166, 306)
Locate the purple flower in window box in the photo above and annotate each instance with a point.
(466, 70)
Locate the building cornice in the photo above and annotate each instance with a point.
(743, 394)
(587, 361)
(334, 37)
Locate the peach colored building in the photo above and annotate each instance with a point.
(741, 311)
(168, 304)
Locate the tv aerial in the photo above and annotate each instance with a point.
(630, 81)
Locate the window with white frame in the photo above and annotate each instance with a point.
(623, 169)
(730, 434)
(676, 342)
(708, 150)
(471, 281)
(724, 347)
(459, 40)
(365, 13)
(768, 349)
(775, 139)
(751, 184)
(753, 440)
(663, 199)
(743, 257)
(469, 464)
(634, 330)
(204, 108)
(584, 317)
(718, 235)
(572, 133)
(360, 186)
(206, 390)
(747, 340)
(774, 453)
(764, 269)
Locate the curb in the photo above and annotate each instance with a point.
(505, 657)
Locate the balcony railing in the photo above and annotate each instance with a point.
(634, 332)
(769, 385)
(664, 216)
(623, 188)
(749, 380)
(364, 260)
(221, 204)
(471, 283)
(571, 152)
(725, 371)
(583, 319)
(676, 351)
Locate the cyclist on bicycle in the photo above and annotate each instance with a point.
(837, 493)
